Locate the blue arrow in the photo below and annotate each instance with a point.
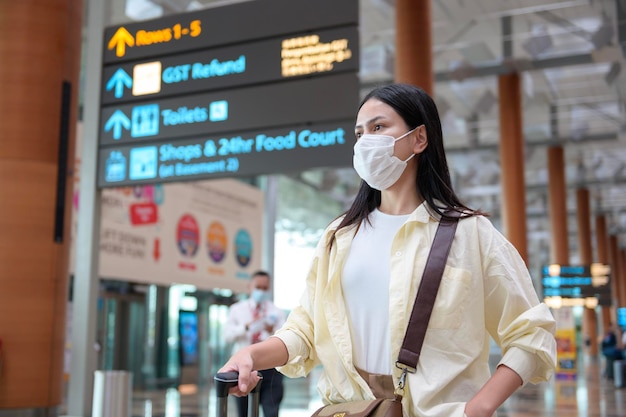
(119, 80)
(117, 121)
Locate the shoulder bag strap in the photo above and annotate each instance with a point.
(433, 271)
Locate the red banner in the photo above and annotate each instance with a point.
(143, 213)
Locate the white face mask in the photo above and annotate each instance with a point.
(375, 162)
(259, 296)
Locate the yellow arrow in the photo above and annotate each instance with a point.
(119, 41)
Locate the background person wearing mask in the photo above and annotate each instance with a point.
(251, 321)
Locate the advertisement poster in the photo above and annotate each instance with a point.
(188, 336)
(203, 233)
(565, 343)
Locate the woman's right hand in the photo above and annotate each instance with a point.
(269, 353)
(242, 363)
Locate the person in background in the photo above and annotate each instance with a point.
(610, 350)
(251, 321)
(367, 267)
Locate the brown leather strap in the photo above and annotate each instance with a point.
(433, 271)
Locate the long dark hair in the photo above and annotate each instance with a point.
(433, 182)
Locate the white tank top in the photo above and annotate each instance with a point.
(365, 284)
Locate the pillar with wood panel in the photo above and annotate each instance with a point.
(602, 241)
(557, 197)
(622, 277)
(617, 285)
(40, 44)
(583, 220)
(414, 58)
(512, 162)
(559, 249)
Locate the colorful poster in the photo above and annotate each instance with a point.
(566, 367)
(203, 233)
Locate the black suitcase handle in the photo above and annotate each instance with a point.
(225, 381)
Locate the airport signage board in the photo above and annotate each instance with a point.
(218, 26)
(231, 155)
(301, 101)
(577, 281)
(621, 317)
(269, 60)
(191, 82)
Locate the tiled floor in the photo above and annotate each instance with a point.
(589, 395)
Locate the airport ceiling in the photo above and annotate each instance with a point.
(570, 55)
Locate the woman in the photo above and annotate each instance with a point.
(367, 268)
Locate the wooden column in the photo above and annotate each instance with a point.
(558, 208)
(622, 277)
(616, 271)
(40, 48)
(414, 57)
(583, 219)
(512, 162)
(603, 258)
(602, 240)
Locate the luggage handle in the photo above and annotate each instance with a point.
(225, 381)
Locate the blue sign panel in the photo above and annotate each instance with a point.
(301, 101)
(115, 167)
(243, 153)
(143, 163)
(577, 281)
(621, 317)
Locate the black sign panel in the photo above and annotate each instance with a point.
(577, 281)
(304, 101)
(231, 24)
(276, 59)
(257, 87)
(234, 154)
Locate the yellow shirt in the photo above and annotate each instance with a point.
(485, 291)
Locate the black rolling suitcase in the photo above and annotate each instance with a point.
(225, 381)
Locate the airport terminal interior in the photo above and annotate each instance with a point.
(570, 55)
